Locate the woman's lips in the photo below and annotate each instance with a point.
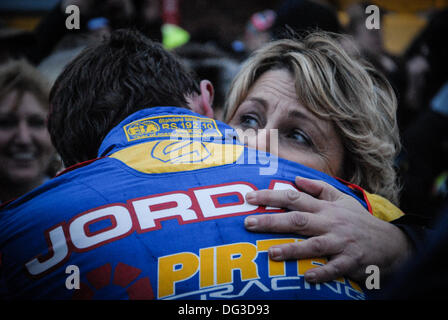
(23, 156)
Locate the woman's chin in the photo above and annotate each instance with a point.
(25, 177)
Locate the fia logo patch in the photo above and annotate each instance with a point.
(172, 127)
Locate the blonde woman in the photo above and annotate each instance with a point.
(337, 115)
(25, 147)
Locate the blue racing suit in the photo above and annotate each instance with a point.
(159, 215)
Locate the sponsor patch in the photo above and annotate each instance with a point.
(172, 127)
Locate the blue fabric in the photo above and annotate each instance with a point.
(198, 254)
(440, 102)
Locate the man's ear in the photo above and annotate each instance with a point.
(203, 103)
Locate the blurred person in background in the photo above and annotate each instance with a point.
(214, 64)
(51, 46)
(14, 43)
(256, 33)
(303, 15)
(369, 41)
(370, 45)
(426, 62)
(71, 45)
(26, 152)
(423, 160)
(291, 16)
(95, 16)
(257, 29)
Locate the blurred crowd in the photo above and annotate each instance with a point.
(32, 60)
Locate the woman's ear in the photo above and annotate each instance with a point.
(203, 103)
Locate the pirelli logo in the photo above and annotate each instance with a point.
(172, 127)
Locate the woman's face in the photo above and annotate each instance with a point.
(272, 103)
(25, 145)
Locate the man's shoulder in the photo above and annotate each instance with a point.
(61, 189)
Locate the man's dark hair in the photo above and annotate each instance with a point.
(108, 82)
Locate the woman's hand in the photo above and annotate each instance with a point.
(338, 226)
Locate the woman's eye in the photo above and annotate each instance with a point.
(300, 137)
(8, 122)
(249, 121)
(36, 122)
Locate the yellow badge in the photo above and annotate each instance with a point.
(173, 127)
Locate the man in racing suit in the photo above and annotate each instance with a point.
(158, 212)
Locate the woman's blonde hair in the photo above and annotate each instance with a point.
(345, 90)
(22, 76)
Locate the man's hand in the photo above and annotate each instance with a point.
(338, 226)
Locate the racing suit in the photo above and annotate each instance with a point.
(159, 215)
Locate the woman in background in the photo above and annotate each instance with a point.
(26, 152)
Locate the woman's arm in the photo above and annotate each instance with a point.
(338, 226)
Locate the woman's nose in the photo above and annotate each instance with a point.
(266, 140)
(24, 133)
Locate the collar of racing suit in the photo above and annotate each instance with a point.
(158, 123)
(132, 129)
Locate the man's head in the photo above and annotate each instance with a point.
(108, 82)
